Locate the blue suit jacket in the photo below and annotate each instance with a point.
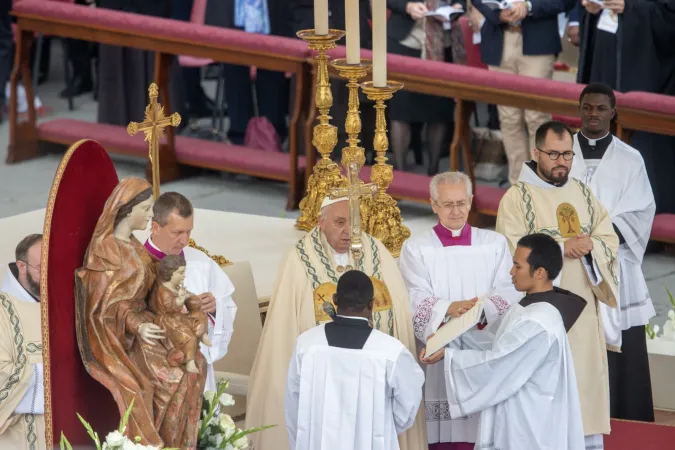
(540, 30)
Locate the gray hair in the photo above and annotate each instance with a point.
(169, 202)
(449, 178)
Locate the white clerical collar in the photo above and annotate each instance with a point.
(592, 142)
(152, 244)
(455, 233)
(11, 286)
(352, 317)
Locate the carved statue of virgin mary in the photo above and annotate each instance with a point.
(120, 345)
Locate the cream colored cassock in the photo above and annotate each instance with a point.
(620, 182)
(22, 424)
(436, 276)
(374, 393)
(310, 265)
(530, 207)
(524, 386)
(202, 274)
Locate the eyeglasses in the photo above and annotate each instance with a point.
(461, 205)
(26, 263)
(554, 155)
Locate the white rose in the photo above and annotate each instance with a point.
(229, 433)
(226, 423)
(226, 399)
(209, 395)
(115, 439)
(128, 445)
(241, 443)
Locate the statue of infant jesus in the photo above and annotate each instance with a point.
(179, 313)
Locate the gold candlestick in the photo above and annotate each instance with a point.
(381, 215)
(326, 174)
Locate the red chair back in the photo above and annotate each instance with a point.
(473, 56)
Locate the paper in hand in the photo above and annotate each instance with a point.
(608, 21)
(454, 328)
(444, 12)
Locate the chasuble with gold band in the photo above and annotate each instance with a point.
(22, 420)
(307, 280)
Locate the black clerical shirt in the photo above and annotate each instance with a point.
(346, 332)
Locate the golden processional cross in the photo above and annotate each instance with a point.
(354, 191)
(153, 127)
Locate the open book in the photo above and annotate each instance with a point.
(454, 328)
(500, 4)
(444, 12)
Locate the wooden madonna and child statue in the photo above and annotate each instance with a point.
(137, 328)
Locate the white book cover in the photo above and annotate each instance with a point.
(454, 328)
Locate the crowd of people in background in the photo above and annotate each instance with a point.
(623, 43)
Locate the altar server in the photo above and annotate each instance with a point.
(616, 174)
(22, 423)
(445, 270)
(301, 300)
(172, 223)
(349, 386)
(524, 385)
(547, 200)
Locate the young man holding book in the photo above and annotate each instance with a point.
(524, 386)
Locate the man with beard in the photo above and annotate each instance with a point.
(22, 408)
(546, 200)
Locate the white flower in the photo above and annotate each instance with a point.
(209, 395)
(146, 447)
(226, 399)
(115, 439)
(229, 447)
(128, 445)
(241, 443)
(226, 423)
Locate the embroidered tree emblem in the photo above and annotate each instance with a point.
(567, 213)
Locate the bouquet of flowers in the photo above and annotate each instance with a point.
(113, 441)
(217, 429)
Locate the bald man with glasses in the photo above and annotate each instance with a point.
(547, 200)
(447, 270)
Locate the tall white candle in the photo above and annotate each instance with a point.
(353, 31)
(321, 17)
(379, 43)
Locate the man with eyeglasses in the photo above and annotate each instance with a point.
(615, 172)
(446, 270)
(22, 409)
(546, 200)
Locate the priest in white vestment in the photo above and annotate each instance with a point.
(172, 223)
(22, 425)
(546, 200)
(350, 386)
(302, 299)
(444, 269)
(524, 385)
(615, 172)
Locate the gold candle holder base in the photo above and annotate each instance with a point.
(325, 174)
(381, 215)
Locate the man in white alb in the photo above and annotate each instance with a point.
(22, 423)
(446, 269)
(615, 172)
(172, 223)
(523, 385)
(350, 386)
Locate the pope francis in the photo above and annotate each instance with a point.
(302, 299)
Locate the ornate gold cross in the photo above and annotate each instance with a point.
(153, 127)
(354, 191)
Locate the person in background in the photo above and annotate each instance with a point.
(409, 33)
(522, 40)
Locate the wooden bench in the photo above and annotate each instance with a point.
(167, 38)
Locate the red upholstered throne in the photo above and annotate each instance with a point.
(84, 180)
